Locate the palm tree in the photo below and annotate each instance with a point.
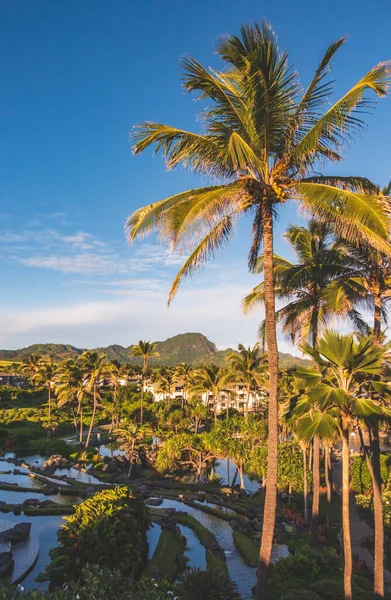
(71, 390)
(348, 371)
(264, 140)
(209, 379)
(94, 366)
(131, 434)
(46, 375)
(183, 374)
(322, 270)
(145, 349)
(247, 366)
(116, 372)
(30, 365)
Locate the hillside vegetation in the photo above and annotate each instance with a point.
(191, 348)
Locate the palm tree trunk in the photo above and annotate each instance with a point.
(315, 497)
(328, 488)
(378, 570)
(241, 478)
(81, 426)
(305, 485)
(377, 317)
(270, 507)
(142, 399)
(49, 405)
(248, 401)
(92, 420)
(347, 542)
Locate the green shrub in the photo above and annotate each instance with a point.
(300, 595)
(107, 530)
(210, 585)
(49, 446)
(360, 478)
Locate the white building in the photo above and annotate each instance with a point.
(235, 397)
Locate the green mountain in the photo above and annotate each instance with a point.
(191, 348)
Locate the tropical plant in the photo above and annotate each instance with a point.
(186, 450)
(131, 435)
(107, 530)
(247, 366)
(264, 138)
(30, 365)
(209, 380)
(198, 413)
(94, 367)
(213, 585)
(46, 375)
(183, 375)
(339, 397)
(145, 349)
(321, 271)
(71, 391)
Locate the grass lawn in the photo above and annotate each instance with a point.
(247, 547)
(168, 549)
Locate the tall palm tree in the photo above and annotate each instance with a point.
(46, 375)
(248, 367)
(145, 349)
(209, 379)
(263, 139)
(94, 366)
(348, 371)
(71, 390)
(116, 371)
(322, 269)
(183, 374)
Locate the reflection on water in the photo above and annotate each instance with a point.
(226, 470)
(240, 573)
(195, 552)
(153, 535)
(77, 475)
(21, 480)
(45, 528)
(112, 449)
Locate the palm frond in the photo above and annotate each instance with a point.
(354, 216)
(339, 123)
(216, 239)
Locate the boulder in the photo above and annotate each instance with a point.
(154, 501)
(17, 510)
(19, 533)
(18, 472)
(31, 502)
(56, 462)
(6, 564)
(167, 523)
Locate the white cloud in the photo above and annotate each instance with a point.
(214, 312)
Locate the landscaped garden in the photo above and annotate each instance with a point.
(235, 478)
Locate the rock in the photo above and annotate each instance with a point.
(31, 502)
(18, 472)
(17, 510)
(19, 533)
(50, 491)
(211, 545)
(2, 503)
(154, 501)
(46, 503)
(167, 523)
(57, 462)
(6, 564)
(238, 525)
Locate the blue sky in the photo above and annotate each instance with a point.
(76, 76)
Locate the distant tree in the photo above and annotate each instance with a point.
(146, 350)
(46, 375)
(183, 374)
(248, 366)
(130, 435)
(94, 367)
